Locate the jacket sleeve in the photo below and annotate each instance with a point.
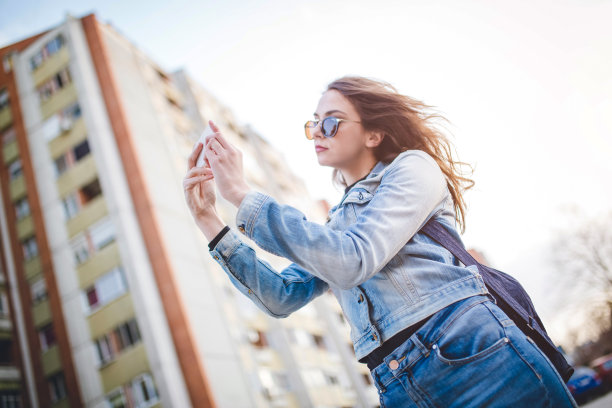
(410, 189)
(277, 294)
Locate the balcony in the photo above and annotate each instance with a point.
(98, 265)
(6, 327)
(109, 316)
(51, 360)
(83, 172)
(9, 373)
(17, 188)
(59, 100)
(129, 364)
(32, 268)
(66, 140)
(58, 60)
(92, 212)
(41, 313)
(10, 151)
(25, 227)
(6, 117)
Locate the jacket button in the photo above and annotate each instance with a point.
(374, 337)
(360, 298)
(241, 228)
(393, 364)
(360, 195)
(216, 257)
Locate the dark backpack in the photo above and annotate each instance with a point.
(509, 295)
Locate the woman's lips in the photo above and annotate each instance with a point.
(319, 148)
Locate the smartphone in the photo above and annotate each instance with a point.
(207, 132)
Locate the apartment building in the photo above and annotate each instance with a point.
(108, 296)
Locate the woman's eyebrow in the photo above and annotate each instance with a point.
(330, 112)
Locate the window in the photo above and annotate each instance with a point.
(4, 311)
(144, 391)
(4, 99)
(102, 234)
(111, 344)
(104, 350)
(8, 136)
(54, 84)
(81, 248)
(127, 334)
(47, 51)
(39, 291)
(68, 160)
(70, 203)
(90, 191)
(139, 393)
(61, 164)
(93, 240)
(57, 387)
(30, 248)
(61, 122)
(22, 208)
(106, 289)
(12, 400)
(47, 337)
(81, 150)
(15, 169)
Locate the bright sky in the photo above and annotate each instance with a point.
(526, 85)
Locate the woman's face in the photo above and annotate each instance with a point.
(348, 146)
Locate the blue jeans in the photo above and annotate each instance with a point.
(470, 354)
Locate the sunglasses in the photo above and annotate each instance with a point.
(329, 126)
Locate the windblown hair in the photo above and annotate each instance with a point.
(406, 125)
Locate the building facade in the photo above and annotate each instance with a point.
(108, 296)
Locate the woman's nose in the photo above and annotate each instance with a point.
(316, 131)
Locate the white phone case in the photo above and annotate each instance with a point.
(208, 131)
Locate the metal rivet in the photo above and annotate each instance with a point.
(393, 364)
(434, 347)
(374, 337)
(506, 339)
(216, 257)
(360, 298)
(250, 291)
(241, 228)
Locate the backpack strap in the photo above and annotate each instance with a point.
(436, 231)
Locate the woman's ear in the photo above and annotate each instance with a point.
(374, 139)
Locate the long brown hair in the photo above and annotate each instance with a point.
(406, 124)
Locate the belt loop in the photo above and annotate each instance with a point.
(422, 348)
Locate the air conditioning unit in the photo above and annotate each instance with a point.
(65, 124)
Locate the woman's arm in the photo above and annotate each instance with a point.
(276, 294)
(410, 190)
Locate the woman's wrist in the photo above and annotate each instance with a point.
(238, 196)
(210, 224)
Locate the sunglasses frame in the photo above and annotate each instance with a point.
(309, 129)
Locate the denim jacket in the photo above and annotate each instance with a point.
(385, 274)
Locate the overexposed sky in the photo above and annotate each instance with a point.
(526, 85)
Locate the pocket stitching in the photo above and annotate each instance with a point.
(481, 354)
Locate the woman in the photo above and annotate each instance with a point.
(423, 323)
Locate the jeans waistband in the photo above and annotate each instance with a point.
(419, 344)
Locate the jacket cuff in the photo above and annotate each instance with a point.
(226, 246)
(248, 211)
(217, 238)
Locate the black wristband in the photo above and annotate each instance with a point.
(215, 240)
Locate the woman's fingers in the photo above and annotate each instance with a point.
(201, 171)
(190, 182)
(193, 157)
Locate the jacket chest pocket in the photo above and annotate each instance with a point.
(356, 202)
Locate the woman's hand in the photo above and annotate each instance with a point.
(199, 187)
(226, 164)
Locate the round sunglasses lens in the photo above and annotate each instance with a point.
(329, 126)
